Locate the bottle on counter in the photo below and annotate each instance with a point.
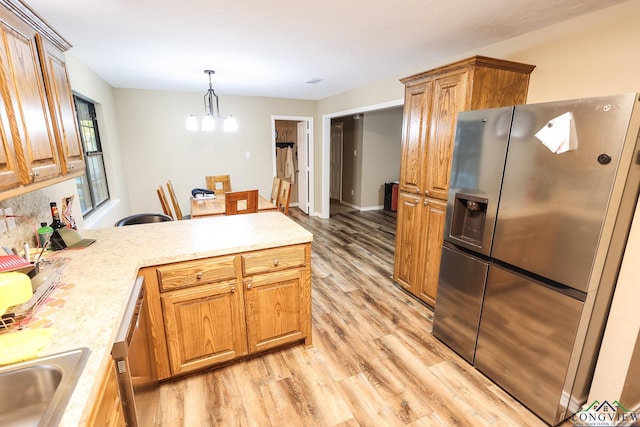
(55, 216)
(44, 233)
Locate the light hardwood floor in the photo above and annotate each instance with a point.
(374, 360)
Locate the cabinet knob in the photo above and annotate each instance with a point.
(425, 203)
(417, 191)
(34, 175)
(199, 276)
(249, 285)
(276, 262)
(233, 290)
(426, 193)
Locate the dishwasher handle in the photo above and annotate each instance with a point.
(129, 320)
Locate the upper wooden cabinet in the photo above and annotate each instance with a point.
(39, 135)
(432, 102)
(9, 170)
(60, 98)
(417, 109)
(26, 104)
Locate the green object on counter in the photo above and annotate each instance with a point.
(44, 233)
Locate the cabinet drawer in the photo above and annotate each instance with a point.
(272, 260)
(197, 272)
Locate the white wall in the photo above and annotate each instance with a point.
(156, 147)
(596, 54)
(382, 135)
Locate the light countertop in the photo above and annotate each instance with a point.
(103, 274)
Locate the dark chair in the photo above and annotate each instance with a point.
(143, 218)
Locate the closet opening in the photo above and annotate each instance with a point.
(292, 157)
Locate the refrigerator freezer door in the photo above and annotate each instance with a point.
(476, 175)
(460, 291)
(525, 340)
(558, 179)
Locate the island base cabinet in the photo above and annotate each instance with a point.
(273, 303)
(107, 412)
(204, 326)
(209, 311)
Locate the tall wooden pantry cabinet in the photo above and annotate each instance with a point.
(432, 102)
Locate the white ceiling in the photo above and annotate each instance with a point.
(270, 48)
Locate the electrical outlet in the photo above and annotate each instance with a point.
(3, 223)
(11, 222)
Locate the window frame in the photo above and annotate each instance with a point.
(92, 205)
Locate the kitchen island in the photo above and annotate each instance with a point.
(103, 275)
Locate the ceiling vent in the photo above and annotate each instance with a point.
(314, 81)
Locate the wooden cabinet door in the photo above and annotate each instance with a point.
(63, 116)
(204, 325)
(25, 99)
(107, 411)
(10, 176)
(414, 137)
(449, 97)
(273, 304)
(408, 238)
(432, 237)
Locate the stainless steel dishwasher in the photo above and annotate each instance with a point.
(133, 355)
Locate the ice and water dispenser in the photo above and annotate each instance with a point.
(468, 219)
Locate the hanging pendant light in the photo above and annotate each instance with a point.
(192, 122)
(211, 115)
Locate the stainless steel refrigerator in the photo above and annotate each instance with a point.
(539, 209)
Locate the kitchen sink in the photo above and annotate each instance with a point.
(35, 392)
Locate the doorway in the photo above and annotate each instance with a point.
(335, 187)
(292, 138)
(370, 153)
(326, 148)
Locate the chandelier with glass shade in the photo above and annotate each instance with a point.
(207, 122)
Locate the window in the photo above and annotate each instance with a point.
(93, 189)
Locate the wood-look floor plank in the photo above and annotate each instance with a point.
(374, 360)
(368, 406)
(282, 404)
(492, 410)
(319, 394)
(171, 404)
(198, 413)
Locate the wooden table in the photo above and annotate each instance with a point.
(212, 207)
